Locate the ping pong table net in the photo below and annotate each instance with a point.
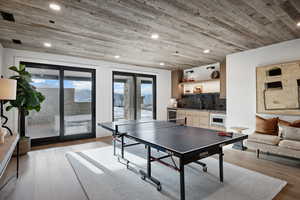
(140, 126)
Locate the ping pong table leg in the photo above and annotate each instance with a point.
(149, 161)
(221, 164)
(114, 145)
(122, 147)
(182, 184)
(148, 174)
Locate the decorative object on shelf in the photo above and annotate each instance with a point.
(28, 98)
(7, 92)
(188, 92)
(215, 75)
(239, 145)
(197, 89)
(3, 133)
(189, 76)
(173, 103)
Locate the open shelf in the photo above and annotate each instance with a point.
(195, 82)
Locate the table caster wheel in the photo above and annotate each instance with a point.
(143, 177)
(205, 169)
(158, 188)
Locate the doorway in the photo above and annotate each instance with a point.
(134, 96)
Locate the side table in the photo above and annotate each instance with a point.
(239, 145)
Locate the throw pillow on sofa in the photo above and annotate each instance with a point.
(267, 126)
(290, 133)
(286, 123)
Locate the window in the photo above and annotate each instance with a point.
(134, 96)
(82, 90)
(68, 111)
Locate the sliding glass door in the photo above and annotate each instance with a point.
(45, 124)
(68, 111)
(77, 102)
(123, 99)
(144, 98)
(134, 96)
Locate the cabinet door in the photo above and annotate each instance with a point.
(189, 118)
(180, 114)
(196, 121)
(204, 119)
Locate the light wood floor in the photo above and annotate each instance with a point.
(46, 174)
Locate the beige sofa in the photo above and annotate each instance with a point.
(273, 144)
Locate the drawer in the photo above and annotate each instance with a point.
(189, 121)
(204, 114)
(190, 113)
(181, 112)
(204, 120)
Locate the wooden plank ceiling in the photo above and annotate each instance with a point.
(101, 29)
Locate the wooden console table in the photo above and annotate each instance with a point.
(6, 152)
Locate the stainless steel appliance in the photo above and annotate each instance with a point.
(218, 119)
(172, 113)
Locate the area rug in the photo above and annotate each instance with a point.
(103, 177)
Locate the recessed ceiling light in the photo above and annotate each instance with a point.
(298, 24)
(161, 64)
(206, 51)
(154, 36)
(117, 57)
(47, 44)
(54, 6)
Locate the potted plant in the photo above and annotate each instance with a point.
(28, 98)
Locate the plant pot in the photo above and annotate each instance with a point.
(24, 146)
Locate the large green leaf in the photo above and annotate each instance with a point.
(22, 67)
(13, 68)
(28, 98)
(8, 108)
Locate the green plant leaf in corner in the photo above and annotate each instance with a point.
(8, 108)
(22, 68)
(28, 98)
(13, 68)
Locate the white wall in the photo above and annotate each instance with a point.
(103, 82)
(241, 80)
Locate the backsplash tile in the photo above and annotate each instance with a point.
(209, 101)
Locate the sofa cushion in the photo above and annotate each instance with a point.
(267, 126)
(286, 123)
(290, 144)
(264, 138)
(290, 133)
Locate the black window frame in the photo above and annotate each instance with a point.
(62, 137)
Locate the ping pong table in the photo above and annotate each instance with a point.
(175, 139)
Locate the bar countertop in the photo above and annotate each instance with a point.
(197, 109)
